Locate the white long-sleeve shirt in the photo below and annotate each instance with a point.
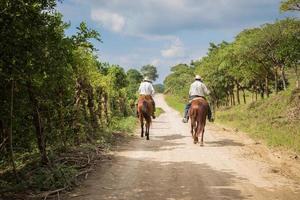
(146, 88)
(198, 89)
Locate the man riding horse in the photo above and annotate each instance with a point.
(197, 89)
(146, 90)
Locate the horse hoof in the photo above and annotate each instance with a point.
(148, 138)
(195, 142)
(201, 144)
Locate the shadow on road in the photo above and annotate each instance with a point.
(223, 143)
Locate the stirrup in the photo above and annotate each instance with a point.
(185, 120)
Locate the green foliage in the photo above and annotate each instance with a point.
(290, 5)
(271, 120)
(254, 64)
(134, 78)
(63, 96)
(150, 71)
(125, 125)
(178, 82)
(159, 111)
(159, 88)
(175, 103)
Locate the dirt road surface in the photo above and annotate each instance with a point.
(171, 167)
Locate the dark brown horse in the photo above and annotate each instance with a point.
(198, 113)
(145, 110)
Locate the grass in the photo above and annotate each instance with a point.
(65, 165)
(273, 120)
(269, 120)
(126, 125)
(159, 111)
(175, 103)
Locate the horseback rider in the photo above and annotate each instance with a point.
(146, 89)
(197, 89)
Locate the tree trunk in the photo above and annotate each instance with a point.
(227, 100)
(283, 77)
(297, 77)
(256, 94)
(99, 109)
(10, 135)
(276, 80)
(233, 98)
(238, 93)
(91, 105)
(61, 119)
(3, 135)
(37, 122)
(106, 108)
(267, 86)
(76, 125)
(89, 129)
(244, 95)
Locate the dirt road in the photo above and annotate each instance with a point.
(171, 167)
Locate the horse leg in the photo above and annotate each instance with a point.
(147, 130)
(196, 133)
(142, 126)
(193, 125)
(202, 136)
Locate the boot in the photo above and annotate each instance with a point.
(209, 115)
(186, 113)
(154, 109)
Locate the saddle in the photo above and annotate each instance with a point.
(146, 97)
(196, 99)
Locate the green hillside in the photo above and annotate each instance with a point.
(274, 120)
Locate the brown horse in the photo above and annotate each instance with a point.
(198, 113)
(145, 110)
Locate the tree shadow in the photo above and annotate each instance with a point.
(153, 180)
(172, 137)
(223, 143)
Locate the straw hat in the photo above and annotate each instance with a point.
(146, 78)
(198, 77)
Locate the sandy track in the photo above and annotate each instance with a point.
(171, 167)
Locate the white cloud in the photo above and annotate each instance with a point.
(155, 62)
(165, 17)
(110, 20)
(174, 51)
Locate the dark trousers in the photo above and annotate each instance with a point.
(187, 108)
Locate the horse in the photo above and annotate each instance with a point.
(145, 109)
(198, 113)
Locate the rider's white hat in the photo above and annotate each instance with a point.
(198, 77)
(146, 78)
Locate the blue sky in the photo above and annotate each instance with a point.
(165, 32)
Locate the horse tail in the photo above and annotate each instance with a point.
(202, 112)
(145, 112)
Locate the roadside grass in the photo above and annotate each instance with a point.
(274, 120)
(159, 111)
(270, 120)
(175, 103)
(67, 167)
(125, 125)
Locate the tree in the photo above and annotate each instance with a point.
(149, 71)
(178, 82)
(159, 88)
(134, 76)
(290, 5)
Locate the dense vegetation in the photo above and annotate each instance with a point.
(261, 63)
(255, 62)
(55, 93)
